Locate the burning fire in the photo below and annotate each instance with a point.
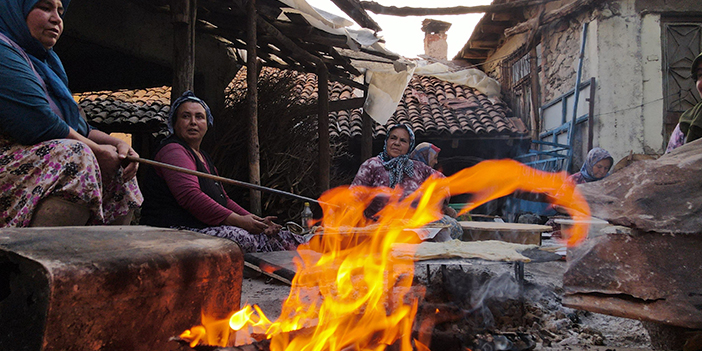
(350, 292)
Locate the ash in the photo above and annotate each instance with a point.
(496, 306)
(535, 312)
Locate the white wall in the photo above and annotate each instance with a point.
(624, 54)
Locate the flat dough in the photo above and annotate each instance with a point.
(491, 250)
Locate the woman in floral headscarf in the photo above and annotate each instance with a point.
(596, 167)
(393, 167)
(427, 153)
(54, 168)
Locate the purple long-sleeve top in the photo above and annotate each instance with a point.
(186, 188)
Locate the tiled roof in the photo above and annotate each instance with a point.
(143, 110)
(432, 107)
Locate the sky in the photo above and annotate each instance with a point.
(404, 35)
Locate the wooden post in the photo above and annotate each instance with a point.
(366, 137)
(535, 88)
(591, 114)
(252, 99)
(184, 15)
(323, 127)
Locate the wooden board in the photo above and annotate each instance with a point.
(278, 264)
(519, 233)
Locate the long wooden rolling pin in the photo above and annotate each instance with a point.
(218, 178)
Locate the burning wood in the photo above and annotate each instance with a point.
(359, 296)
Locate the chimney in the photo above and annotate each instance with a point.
(435, 44)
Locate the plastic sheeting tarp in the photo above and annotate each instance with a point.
(471, 77)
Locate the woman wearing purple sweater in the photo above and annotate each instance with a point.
(179, 200)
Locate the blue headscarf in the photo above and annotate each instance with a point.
(401, 164)
(13, 23)
(188, 96)
(595, 155)
(423, 153)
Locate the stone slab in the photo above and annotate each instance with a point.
(662, 195)
(111, 288)
(647, 276)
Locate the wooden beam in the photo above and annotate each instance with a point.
(484, 44)
(535, 89)
(323, 128)
(336, 105)
(184, 15)
(502, 17)
(591, 113)
(252, 107)
(458, 10)
(349, 82)
(474, 55)
(323, 99)
(357, 13)
(491, 28)
(550, 16)
(366, 137)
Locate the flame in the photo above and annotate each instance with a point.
(350, 291)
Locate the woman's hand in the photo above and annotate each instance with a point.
(130, 170)
(108, 159)
(272, 228)
(251, 223)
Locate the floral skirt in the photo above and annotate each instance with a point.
(284, 240)
(64, 168)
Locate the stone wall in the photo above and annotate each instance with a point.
(623, 52)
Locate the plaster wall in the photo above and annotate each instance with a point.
(623, 53)
(653, 102)
(625, 57)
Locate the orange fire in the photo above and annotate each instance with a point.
(350, 291)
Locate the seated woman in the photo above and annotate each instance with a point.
(596, 167)
(689, 127)
(184, 201)
(426, 153)
(54, 168)
(393, 167)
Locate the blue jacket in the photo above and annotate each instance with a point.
(25, 113)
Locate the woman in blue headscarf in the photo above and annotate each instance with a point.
(50, 158)
(393, 167)
(179, 200)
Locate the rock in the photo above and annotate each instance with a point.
(663, 195)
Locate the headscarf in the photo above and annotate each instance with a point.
(13, 23)
(399, 165)
(423, 152)
(595, 155)
(188, 96)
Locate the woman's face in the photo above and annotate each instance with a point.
(433, 159)
(191, 123)
(45, 23)
(600, 169)
(398, 142)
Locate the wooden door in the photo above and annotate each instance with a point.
(681, 44)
